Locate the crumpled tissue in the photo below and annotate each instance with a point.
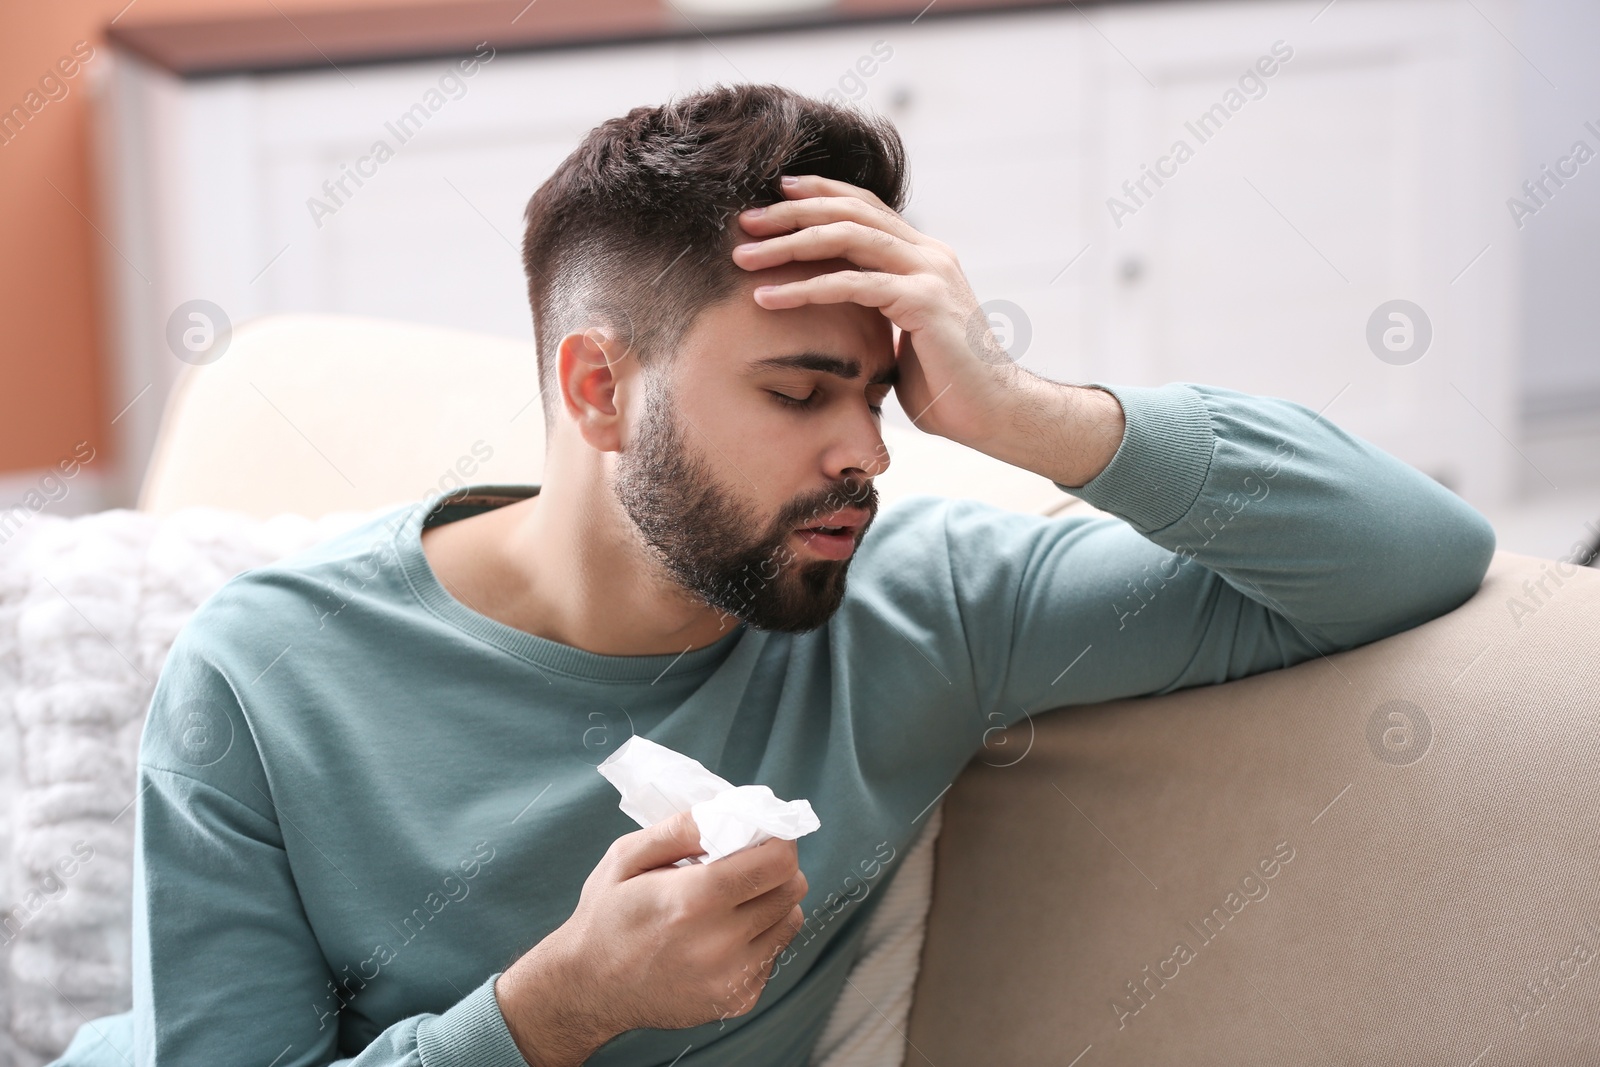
(656, 782)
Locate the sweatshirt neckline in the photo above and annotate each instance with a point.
(544, 653)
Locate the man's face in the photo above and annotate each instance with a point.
(762, 426)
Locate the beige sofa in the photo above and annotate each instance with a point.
(1382, 856)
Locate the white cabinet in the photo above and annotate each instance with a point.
(1372, 167)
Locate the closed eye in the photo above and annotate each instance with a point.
(810, 399)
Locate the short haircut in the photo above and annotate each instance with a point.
(631, 231)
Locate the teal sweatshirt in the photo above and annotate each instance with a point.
(360, 800)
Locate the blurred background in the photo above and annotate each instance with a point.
(1387, 211)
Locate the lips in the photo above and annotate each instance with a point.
(833, 536)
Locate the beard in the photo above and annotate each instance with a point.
(702, 533)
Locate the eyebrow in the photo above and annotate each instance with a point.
(825, 364)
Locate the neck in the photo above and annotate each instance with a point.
(569, 565)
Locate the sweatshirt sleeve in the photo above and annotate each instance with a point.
(1250, 533)
(224, 960)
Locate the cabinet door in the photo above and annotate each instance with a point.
(1363, 170)
(434, 233)
(269, 193)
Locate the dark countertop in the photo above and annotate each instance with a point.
(257, 43)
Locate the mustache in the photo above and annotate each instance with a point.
(851, 492)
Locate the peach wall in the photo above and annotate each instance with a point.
(53, 379)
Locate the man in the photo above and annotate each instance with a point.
(369, 823)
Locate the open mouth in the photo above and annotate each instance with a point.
(830, 542)
(835, 535)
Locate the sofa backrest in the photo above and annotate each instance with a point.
(314, 414)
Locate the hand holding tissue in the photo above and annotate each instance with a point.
(656, 783)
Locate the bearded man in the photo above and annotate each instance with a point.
(404, 854)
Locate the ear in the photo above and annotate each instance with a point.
(592, 367)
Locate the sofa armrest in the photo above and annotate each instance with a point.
(1382, 856)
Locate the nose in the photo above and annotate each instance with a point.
(860, 454)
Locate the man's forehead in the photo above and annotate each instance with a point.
(792, 346)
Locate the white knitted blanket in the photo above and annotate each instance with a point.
(88, 609)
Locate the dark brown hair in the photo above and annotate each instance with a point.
(631, 231)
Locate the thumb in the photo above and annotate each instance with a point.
(661, 845)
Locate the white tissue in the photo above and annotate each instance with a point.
(656, 782)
